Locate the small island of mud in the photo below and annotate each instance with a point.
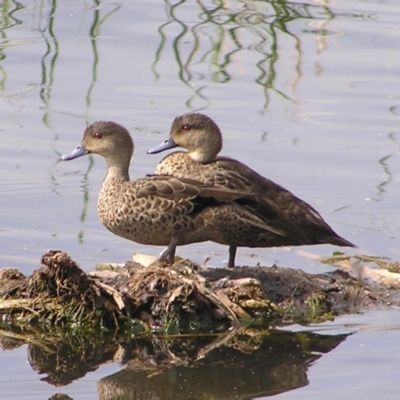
(184, 297)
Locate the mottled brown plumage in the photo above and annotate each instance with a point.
(165, 210)
(202, 139)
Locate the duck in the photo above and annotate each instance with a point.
(164, 210)
(201, 137)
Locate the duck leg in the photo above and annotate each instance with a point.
(232, 255)
(168, 254)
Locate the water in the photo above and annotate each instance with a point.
(306, 93)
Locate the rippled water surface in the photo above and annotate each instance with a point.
(306, 93)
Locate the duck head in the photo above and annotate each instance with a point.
(195, 132)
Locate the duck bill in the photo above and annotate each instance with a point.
(165, 145)
(78, 152)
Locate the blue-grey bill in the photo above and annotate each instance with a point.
(78, 152)
(165, 145)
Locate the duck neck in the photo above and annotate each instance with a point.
(117, 170)
(201, 157)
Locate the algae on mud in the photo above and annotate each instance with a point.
(182, 298)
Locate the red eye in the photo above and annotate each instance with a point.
(186, 127)
(98, 135)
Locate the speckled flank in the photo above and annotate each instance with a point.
(298, 222)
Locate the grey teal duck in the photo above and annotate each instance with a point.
(300, 223)
(165, 210)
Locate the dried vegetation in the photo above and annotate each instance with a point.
(182, 298)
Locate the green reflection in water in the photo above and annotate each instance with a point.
(7, 20)
(48, 64)
(383, 162)
(49, 58)
(223, 31)
(184, 73)
(94, 34)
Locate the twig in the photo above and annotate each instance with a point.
(113, 293)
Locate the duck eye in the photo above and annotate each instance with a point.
(186, 127)
(98, 135)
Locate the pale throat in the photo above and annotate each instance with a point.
(117, 171)
(200, 157)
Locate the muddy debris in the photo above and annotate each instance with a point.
(184, 297)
